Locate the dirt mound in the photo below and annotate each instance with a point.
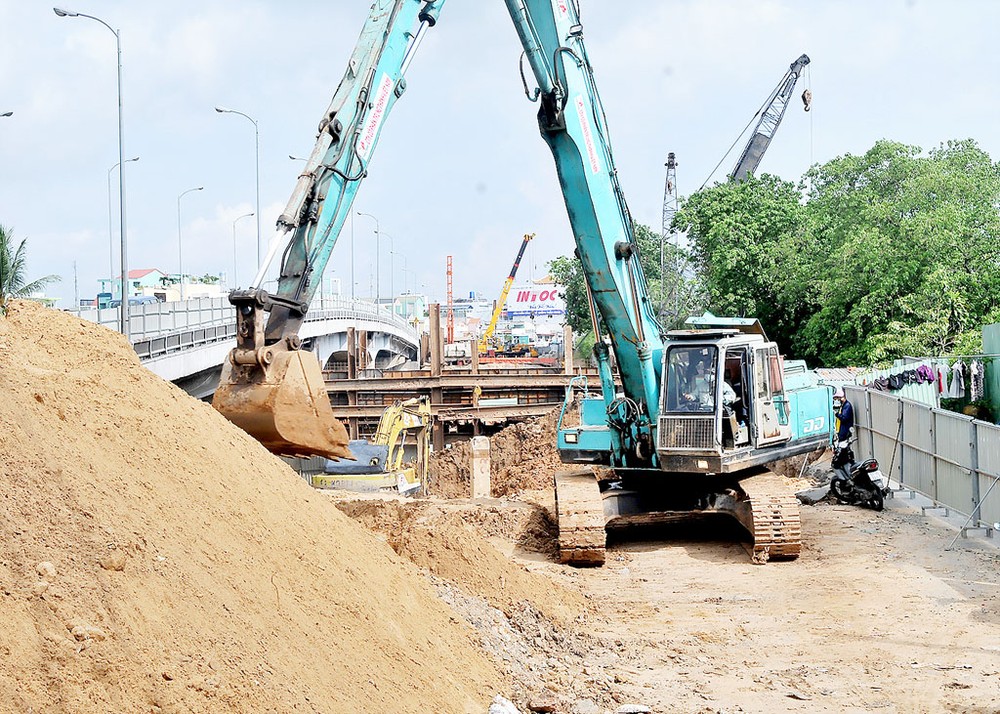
(155, 558)
(452, 541)
(523, 456)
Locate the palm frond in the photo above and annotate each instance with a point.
(12, 268)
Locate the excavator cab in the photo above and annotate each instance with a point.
(275, 392)
(724, 403)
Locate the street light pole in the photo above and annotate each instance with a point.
(124, 326)
(392, 252)
(111, 232)
(378, 284)
(256, 147)
(235, 264)
(180, 255)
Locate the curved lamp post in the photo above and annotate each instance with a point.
(124, 326)
(378, 283)
(235, 264)
(180, 256)
(111, 232)
(256, 144)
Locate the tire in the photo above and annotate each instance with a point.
(876, 502)
(840, 490)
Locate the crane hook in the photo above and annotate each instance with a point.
(807, 99)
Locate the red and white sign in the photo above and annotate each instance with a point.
(380, 105)
(535, 301)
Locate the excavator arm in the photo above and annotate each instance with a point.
(572, 123)
(268, 386)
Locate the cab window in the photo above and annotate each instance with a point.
(691, 379)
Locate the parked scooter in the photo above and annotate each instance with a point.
(856, 484)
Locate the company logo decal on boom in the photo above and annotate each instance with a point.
(366, 142)
(588, 137)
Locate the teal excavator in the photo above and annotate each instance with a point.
(699, 413)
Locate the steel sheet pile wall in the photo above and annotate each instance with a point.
(951, 458)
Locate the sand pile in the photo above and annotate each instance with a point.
(155, 558)
(453, 541)
(523, 456)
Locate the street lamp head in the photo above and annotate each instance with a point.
(65, 13)
(7, 114)
(136, 158)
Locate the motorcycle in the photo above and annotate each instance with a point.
(856, 484)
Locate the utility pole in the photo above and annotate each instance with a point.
(668, 234)
(451, 306)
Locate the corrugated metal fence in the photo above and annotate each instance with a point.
(951, 458)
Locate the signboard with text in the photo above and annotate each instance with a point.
(535, 301)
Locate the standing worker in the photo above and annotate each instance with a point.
(843, 412)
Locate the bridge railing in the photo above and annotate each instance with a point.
(337, 308)
(159, 318)
(161, 327)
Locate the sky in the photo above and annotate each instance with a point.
(460, 169)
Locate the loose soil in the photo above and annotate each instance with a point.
(875, 614)
(155, 559)
(522, 458)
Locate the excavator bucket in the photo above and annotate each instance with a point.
(283, 405)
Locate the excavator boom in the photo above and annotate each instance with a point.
(269, 386)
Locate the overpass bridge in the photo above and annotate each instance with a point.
(186, 342)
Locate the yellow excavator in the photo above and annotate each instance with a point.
(484, 342)
(379, 465)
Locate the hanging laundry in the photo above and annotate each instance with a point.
(942, 379)
(956, 388)
(977, 387)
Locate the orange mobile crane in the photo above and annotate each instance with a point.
(485, 340)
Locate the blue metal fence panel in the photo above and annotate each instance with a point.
(916, 450)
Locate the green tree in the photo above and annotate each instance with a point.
(13, 284)
(568, 272)
(908, 259)
(746, 245)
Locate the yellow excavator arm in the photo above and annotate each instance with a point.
(398, 419)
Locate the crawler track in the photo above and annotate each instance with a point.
(771, 514)
(580, 513)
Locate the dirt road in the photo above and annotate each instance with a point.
(875, 615)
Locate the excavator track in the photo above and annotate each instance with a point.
(770, 513)
(580, 515)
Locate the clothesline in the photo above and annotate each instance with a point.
(925, 359)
